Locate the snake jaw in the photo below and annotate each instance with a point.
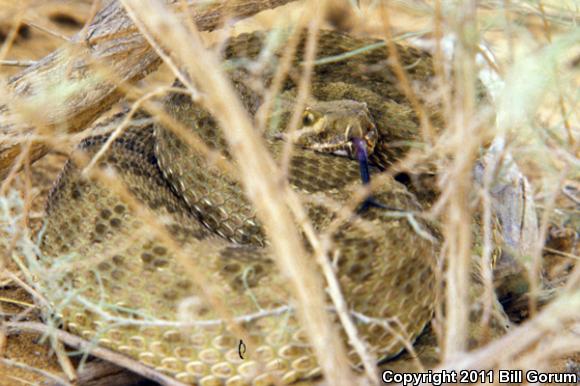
(333, 129)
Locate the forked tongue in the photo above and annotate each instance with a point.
(362, 156)
(360, 148)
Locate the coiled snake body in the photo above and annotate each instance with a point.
(121, 285)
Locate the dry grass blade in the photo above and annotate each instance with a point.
(17, 63)
(258, 171)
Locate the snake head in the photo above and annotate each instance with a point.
(331, 127)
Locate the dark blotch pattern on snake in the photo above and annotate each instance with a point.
(104, 260)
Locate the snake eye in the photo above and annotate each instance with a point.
(308, 118)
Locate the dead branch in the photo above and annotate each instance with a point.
(101, 373)
(64, 91)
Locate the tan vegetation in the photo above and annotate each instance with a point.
(91, 56)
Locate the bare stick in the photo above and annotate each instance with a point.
(101, 373)
(17, 63)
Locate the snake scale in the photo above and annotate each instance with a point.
(121, 286)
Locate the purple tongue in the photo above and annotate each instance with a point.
(363, 163)
(363, 159)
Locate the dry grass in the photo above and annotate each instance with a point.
(527, 139)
